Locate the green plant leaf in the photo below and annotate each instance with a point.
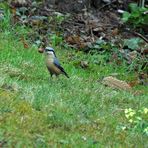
(132, 43)
(126, 16)
(136, 14)
(133, 7)
(56, 40)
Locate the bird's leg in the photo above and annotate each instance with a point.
(50, 78)
(51, 74)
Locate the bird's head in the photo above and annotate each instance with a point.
(50, 51)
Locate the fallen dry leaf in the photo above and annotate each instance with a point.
(145, 51)
(138, 92)
(115, 32)
(134, 83)
(115, 83)
(24, 42)
(133, 55)
(84, 64)
(76, 40)
(40, 50)
(143, 78)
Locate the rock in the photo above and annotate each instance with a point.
(115, 83)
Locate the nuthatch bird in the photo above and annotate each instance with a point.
(52, 63)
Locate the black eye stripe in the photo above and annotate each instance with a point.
(49, 50)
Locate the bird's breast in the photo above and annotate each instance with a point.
(52, 67)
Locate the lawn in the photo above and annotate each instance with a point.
(39, 111)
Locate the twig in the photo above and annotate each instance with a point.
(107, 4)
(137, 34)
(92, 35)
(141, 36)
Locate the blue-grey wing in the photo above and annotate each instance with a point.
(57, 63)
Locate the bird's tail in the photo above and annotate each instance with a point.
(65, 74)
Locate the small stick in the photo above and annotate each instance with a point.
(141, 36)
(107, 4)
(138, 34)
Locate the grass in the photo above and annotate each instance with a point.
(37, 111)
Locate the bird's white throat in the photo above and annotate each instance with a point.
(50, 53)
